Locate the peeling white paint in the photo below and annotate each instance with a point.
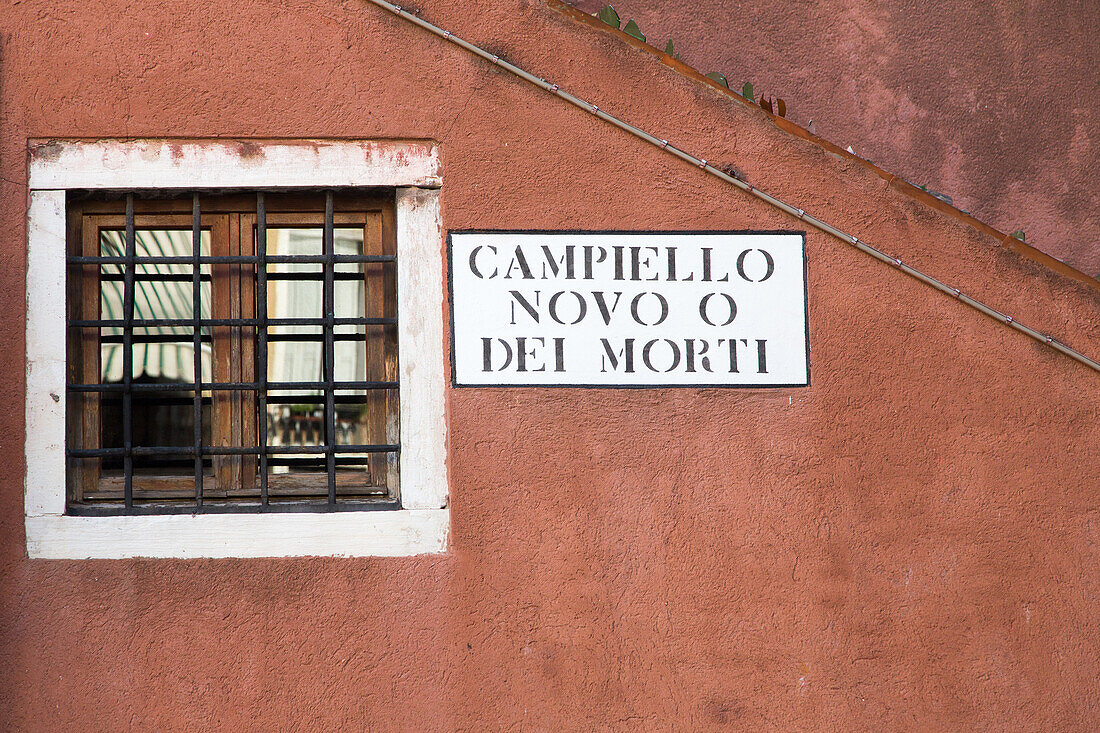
(166, 163)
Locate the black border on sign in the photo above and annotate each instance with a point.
(451, 306)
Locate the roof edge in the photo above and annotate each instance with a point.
(899, 184)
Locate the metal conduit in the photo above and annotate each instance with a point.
(743, 185)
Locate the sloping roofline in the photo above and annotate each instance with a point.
(1048, 263)
(900, 184)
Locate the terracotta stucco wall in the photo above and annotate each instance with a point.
(993, 104)
(910, 543)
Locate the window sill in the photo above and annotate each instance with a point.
(331, 534)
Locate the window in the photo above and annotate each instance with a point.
(244, 364)
(290, 297)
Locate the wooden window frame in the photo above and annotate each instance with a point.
(231, 223)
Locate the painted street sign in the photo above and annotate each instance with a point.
(629, 309)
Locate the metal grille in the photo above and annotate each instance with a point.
(139, 330)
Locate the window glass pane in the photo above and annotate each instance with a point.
(162, 398)
(161, 353)
(297, 417)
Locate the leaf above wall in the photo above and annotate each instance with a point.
(609, 16)
(631, 29)
(718, 77)
(773, 105)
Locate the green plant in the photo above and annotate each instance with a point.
(610, 16)
(631, 29)
(718, 77)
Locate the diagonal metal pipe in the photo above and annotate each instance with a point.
(745, 186)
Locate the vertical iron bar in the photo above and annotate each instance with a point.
(397, 319)
(196, 336)
(261, 351)
(328, 238)
(128, 357)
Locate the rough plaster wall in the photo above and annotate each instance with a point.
(993, 104)
(910, 543)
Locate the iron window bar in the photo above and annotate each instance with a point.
(187, 277)
(328, 455)
(196, 335)
(320, 259)
(128, 357)
(183, 338)
(173, 338)
(277, 459)
(184, 322)
(239, 506)
(261, 354)
(230, 386)
(329, 358)
(189, 450)
(294, 399)
(355, 460)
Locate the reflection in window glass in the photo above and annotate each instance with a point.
(296, 353)
(161, 354)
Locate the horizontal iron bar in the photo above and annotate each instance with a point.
(222, 386)
(190, 322)
(221, 450)
(316, 462)
(315, 276)
(233, 260)
(309, 461)
(154, 338)
(294, 399)
(144, 277)
(318, 450)
(315, 399)
(250, 506)
(186, 338)
(309, 276)
(308, 337)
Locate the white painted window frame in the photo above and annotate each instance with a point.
(412, 168)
